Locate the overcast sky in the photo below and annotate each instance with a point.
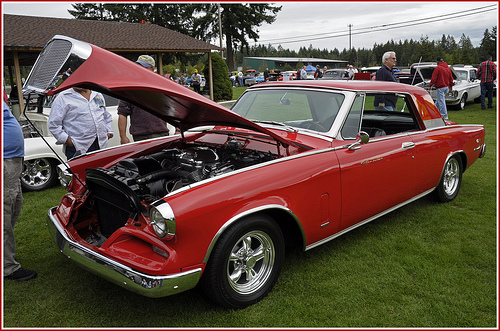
(325, 24)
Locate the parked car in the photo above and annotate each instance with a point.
(42, 155)
(258, 78)
(275, 76)
(462, 92)
(334, 74)
(249, 74)
(289, 164)
(468, 74)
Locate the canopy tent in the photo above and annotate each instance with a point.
(310, 68)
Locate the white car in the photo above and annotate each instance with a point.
(464, 90)
(42, 155)
(469, 74)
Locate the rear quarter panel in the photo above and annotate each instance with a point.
(434, 147)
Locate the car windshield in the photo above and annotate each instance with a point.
(462, 74)
(305, 109)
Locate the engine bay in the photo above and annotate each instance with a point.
(153, 176)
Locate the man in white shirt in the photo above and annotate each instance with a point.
(79, 120)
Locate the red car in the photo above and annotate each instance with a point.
(292, 163)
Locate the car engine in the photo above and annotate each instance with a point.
(121, 192)
(153, 176)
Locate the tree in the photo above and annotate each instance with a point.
(223, 89)
(172, 16)
(488, 44)
(238, 21)
(467, 53)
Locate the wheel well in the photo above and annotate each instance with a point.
(463, 159)
(289, 226)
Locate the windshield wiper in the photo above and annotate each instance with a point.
(287, 127)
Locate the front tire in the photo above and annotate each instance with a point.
(451, 180)
(463, 101)
(38, 174)
(245, 263)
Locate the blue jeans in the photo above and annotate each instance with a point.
(387, 107)
(487, 90)
(441, 102)
(70, 151)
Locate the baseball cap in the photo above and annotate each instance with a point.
(146, 61)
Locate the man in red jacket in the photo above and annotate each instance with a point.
(442, 79)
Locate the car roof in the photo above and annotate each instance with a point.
(119, 77)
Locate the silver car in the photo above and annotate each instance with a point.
(466, 87)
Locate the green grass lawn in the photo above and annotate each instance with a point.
(425, 265)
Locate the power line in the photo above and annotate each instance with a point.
(384, 27)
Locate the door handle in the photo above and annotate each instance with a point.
(408, 145)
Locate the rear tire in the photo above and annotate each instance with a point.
(245, 263)
(451, 180)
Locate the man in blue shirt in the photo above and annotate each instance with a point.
(13, 155)
(385, 73)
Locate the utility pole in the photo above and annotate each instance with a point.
(220, 31)
(350, 26)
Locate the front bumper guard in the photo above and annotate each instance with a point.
(117, 273)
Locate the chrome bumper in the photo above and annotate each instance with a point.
(117, 273)
(483, 150)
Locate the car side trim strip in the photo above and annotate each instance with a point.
(323, 241)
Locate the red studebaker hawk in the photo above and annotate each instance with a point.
(218, 204)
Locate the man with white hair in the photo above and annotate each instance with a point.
(385, 73)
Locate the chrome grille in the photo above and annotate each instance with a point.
(48, 65)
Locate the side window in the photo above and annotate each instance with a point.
(473, 75)
(379, 122)
(352, 124)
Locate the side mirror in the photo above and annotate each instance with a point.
(285, 101)
(361, 139)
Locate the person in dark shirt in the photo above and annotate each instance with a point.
(487, 73)
(385, 73)
(143, 125)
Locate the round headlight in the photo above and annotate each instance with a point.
(162, 219)
(158, 223)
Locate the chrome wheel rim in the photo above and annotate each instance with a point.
(36, 172)
(451, 176)
(250, 262)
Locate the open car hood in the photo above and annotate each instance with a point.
(103, 71)
(425, 72)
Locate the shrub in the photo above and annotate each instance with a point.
(223, 89)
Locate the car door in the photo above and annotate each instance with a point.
(375, 176)
(475, 90)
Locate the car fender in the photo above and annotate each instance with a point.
(37, 148)
(261, 209)
(267, 190)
